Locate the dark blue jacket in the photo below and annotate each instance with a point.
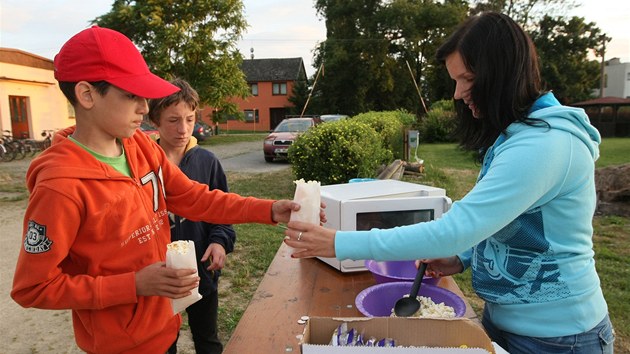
(203, 166)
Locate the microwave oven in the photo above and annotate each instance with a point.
(379, 204)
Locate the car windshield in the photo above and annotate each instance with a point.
(293, 126)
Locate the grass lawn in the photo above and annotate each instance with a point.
(448, 168)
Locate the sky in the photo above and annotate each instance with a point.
(277, 28)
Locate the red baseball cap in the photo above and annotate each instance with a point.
(102, 54)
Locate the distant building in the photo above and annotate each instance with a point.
(271, 83)
(30, 99)
(617, 79)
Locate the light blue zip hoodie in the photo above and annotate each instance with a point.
(525, 228)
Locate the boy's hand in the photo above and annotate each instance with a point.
(158, 280)
(214, 257)
(281, 211)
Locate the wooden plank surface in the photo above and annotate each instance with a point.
(293, 288)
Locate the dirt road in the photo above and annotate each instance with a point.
(27, 331)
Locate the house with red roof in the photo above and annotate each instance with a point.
(271, 83)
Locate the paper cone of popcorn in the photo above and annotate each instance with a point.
(307, 194)
(181, 255)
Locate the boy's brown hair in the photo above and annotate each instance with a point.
(185, 94)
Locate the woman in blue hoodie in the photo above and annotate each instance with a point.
(525, 228)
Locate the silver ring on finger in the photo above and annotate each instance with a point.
(299, 236)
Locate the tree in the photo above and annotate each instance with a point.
(193, 40)
(525, 12)
(563, 44)
(299, 97)
(563, 48)
(353, 56)
(369, 45)
(415, 30)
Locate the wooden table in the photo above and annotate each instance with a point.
(292, 288)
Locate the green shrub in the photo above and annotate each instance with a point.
(445, 105)
(391, 126)
(439, 123)
(335, 153)
(407, 119)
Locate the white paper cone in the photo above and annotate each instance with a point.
(307, 194)
(181, 255)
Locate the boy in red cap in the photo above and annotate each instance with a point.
(96, 226)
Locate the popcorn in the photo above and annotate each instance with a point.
(430, 309)
(181, 247)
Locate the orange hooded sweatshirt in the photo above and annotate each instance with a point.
(88, 229)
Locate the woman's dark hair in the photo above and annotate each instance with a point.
(507, 78)
(68, 89)
(185, 94)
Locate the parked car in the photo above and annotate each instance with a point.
(150, 130)
(201, 131)
(327, 118)
(278, 141)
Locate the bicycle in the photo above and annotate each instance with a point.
(5, 155)
(13, 148)
(47, 134)
(30, 145)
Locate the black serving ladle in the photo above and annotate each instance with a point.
(407, 306)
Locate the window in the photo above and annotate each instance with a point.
(279, 88)
(253, 89)
(251, 115)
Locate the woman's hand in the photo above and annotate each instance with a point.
(310, 240)
(440, 267)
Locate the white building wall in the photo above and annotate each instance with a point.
(617, 79)
(46, 105)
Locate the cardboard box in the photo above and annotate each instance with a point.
(435, 335)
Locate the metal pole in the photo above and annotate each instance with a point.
(417, 88)
(321, 67)
(602, 81)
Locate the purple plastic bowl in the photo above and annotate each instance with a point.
(379, 300)
(390, 271)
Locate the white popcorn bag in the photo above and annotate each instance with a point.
(307, 194)
(181, 255)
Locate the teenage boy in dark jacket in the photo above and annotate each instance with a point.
(175, 117)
